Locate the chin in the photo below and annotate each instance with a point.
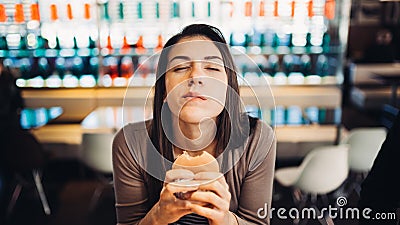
(189, 116)
(197, 115)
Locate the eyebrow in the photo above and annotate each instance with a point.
(179, 57)
(213, 57)
(188, 58)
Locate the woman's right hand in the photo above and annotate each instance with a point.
(170, 208)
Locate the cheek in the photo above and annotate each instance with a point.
(168, 86)
(217, 89)
(217, 108)
(171, 86)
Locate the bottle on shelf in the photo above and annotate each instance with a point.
(322, 66)
(312, 114)
(25, 68)
(44, 67)
(69, 80)
(273, 64)
(33, 38)
(278, 116)
(87, 81)
(288, 63)
(322, 115)
(77, 66)
(317, 23)
(296, 78)
(305, 64)
(251, 78)
(125, 72)
(292, 64)
(266, 115)
(110, 72)
(94, 68)
(3, 42)
(54, 80)
(306, 68)
(60, 66)
(3, 14)
(280, 78)
(36, 82)
(294, 115)
(126, 69)
(50, 24)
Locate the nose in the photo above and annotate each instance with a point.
(197, 81)
(196, 75)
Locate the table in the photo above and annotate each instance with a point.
(38, 117)
(111, 119)
(392, 79)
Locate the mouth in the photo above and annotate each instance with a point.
(193, 95)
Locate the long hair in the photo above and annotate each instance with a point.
(228, 121)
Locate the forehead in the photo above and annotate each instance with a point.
(195, 48)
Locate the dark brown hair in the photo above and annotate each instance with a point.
(230, 133)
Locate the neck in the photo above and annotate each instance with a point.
(211, 148)
(194, 136)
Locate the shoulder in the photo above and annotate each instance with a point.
(261, 133)
(130, 131)
(263, 129)
(132, 138)
(130, 144)
(262, 142)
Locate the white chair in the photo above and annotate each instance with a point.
(322, 171)
(97, 155)
(364, 145)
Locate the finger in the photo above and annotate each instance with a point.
(207, 212)
(183, 186)
(179, 204)
(210, 198)
(208, 176)
(218, 188)
(178, 174)
(168, 195)
(211, 177)
(223, 182)
(183, 212)
(167, 200)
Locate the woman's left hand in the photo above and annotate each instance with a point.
(212, 201)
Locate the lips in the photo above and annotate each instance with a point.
(192, 95)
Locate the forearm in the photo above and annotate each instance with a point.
(151, 217)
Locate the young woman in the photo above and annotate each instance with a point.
(196, 108)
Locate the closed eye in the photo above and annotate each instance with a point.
(179, 69)
(213, 68)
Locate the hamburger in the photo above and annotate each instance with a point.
(193, 170)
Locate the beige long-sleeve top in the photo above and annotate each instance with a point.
(250, 179)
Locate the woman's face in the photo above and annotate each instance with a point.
(196, 81)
